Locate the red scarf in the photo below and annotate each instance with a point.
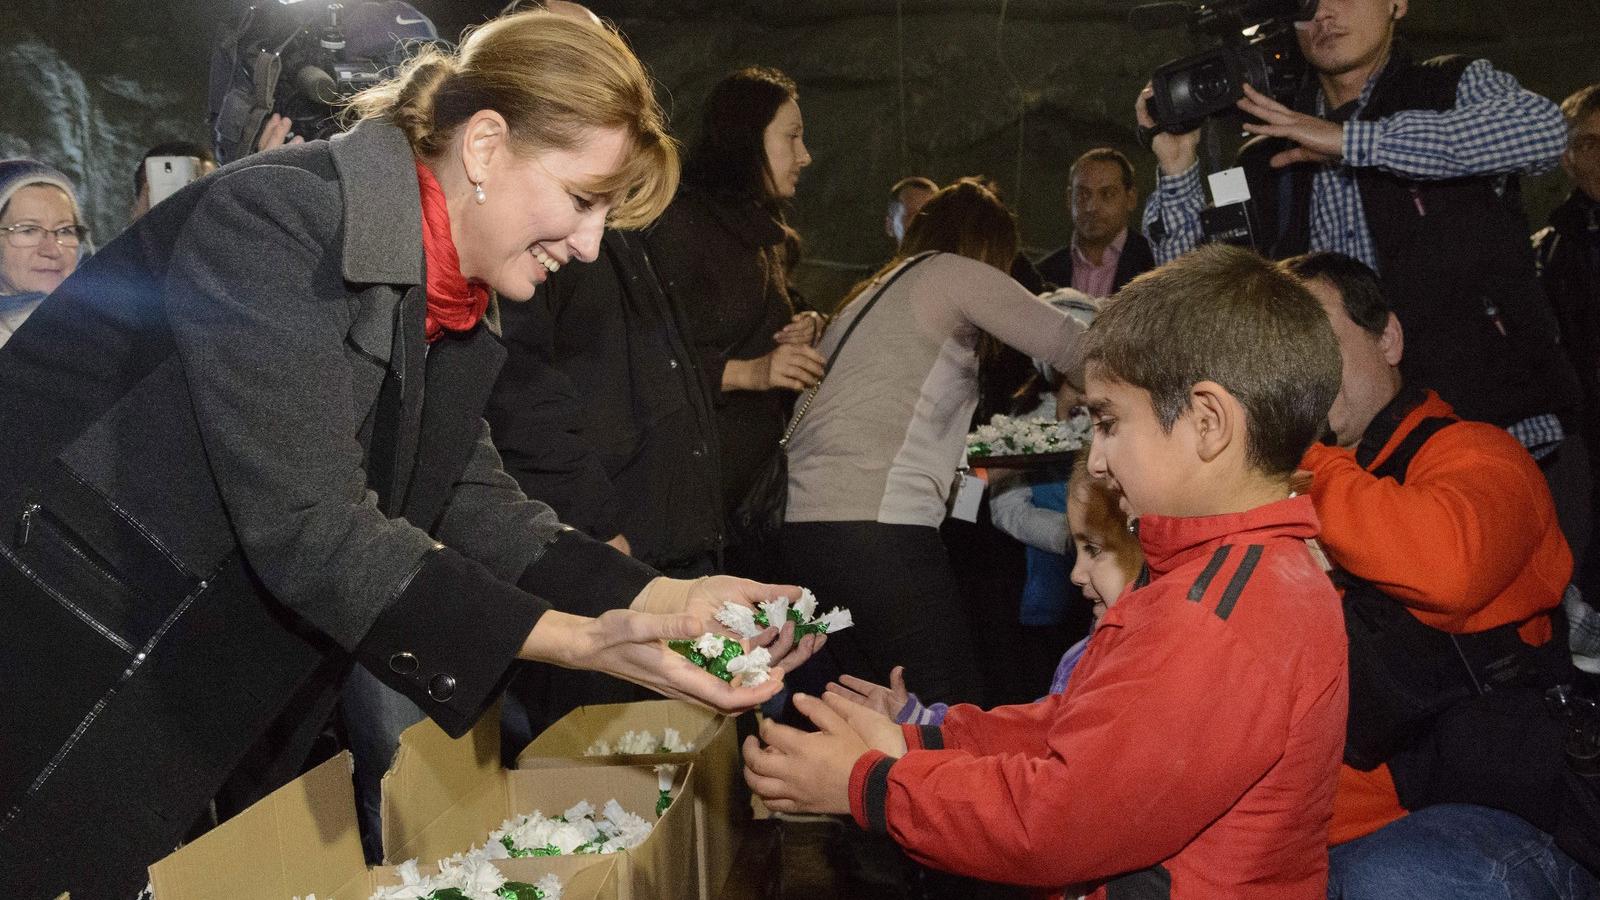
(454, 303)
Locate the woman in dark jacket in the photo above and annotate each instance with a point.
(724, 251)
(245, 451)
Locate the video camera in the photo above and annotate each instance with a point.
(301, 59)
(1257, 48)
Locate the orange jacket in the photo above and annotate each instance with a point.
(1468, 543)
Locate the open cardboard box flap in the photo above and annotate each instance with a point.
(301, 839)
(444, 796)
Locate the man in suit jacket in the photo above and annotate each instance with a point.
(1105, 253)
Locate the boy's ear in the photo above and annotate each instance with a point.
(1216, 417)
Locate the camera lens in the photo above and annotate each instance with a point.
(1210, 83)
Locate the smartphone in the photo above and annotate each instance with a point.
(167, 175)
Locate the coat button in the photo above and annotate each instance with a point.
(672, 364)
(441, 688)
(697, 453)
(403, 664)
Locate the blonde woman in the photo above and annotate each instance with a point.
(245, 453)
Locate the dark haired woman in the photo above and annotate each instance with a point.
(872, 461)
(724, 252)
(244, 452)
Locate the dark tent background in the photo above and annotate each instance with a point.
(1013, 90)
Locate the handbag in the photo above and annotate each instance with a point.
(760, 512)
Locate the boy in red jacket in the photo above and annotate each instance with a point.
(1194, 752)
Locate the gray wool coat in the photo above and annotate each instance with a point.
(232, 468)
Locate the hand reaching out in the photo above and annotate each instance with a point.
(632, 646)
(704, 598)
(885, 700)
(794, 771)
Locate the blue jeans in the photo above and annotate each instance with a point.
(374, 716)
(1454, 851)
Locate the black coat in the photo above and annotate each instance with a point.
(233, 471)
(1569, 269)
(1137, 258)
(724, 265)
(600, 410)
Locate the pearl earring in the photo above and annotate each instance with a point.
(477, 191)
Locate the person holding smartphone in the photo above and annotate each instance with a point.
(41, 232)
(164, 170)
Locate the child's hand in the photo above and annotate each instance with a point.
(800, 772)
(887, 700)
(880, 732)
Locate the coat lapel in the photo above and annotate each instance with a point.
(460, 373)
(397, 419)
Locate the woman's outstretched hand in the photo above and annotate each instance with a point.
(632, 646)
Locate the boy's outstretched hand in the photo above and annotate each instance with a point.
(800, 772)
(887, 700)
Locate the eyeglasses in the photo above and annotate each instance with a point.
(25, 237)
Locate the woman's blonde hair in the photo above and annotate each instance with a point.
(553, 79)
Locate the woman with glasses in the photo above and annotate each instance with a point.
(40, 234)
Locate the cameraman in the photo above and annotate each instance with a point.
(1410, 167)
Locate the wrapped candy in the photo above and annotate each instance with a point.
(575, 831)
(642, 743)
(465, 877)
(724, 657)
(748, 623)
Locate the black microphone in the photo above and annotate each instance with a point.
(1157, 16)
(315, 84)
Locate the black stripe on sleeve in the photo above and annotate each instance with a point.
(1240, 578)
(932, 737)
(875, 798)
(1198, 589)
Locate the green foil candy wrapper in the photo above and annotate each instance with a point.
(717, 666)
(511, 890)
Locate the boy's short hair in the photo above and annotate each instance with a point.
(1226, 315)
(1358, 286)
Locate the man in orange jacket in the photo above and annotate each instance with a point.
(1437, 522)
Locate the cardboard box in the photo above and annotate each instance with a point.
(719, 817)
(444, 796)
(563, 744)
(303, 839)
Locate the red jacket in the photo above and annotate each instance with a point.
(1195, 747)
(1468, 543)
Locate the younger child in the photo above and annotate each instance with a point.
(1195, 749)
(1108, 560)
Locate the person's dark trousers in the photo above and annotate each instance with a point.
(1572, 488)
(896, 582)
(991, 571)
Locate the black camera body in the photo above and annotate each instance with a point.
(1257, 47)
(302, 59)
